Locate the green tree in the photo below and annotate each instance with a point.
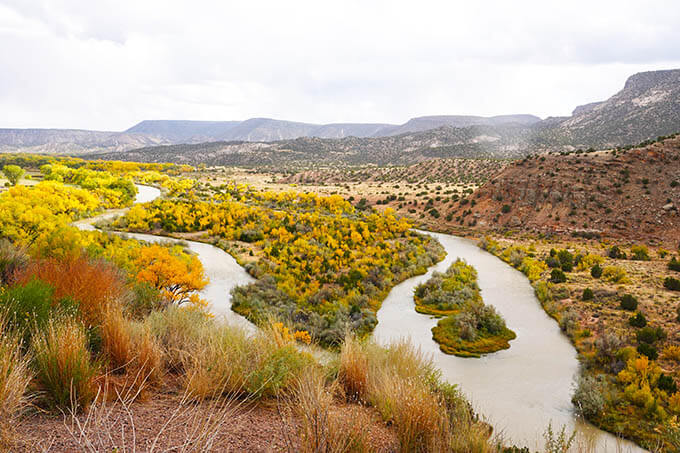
(13, 173)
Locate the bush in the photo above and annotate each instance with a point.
(30, 307)
(629, 302)
(566, 260)
(614, 274)
(552, 262)
(596, 271)
(589, 396)
(95, 285)
(674, 264)
(648, 350)
(650, 334)
(506, 208)
(639, 253)
(666, 383)
(616, 253)
(671, 283)
(64, 368)
(587, 294)
(638, 320)
(557, 276)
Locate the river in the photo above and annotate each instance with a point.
(520, 390)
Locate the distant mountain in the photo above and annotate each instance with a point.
(424, 123)
(72, 141)
(270, 130)
(647, 107)
(507, 141)
(180, 131)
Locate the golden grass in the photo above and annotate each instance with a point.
(64, 368)
(15, 375)
(320, 428)
(353, 372)
(405, 387)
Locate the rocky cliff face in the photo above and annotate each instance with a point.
(647, 107)
(633, 194)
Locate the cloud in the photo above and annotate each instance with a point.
(108, 64)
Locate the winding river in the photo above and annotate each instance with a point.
(520, 390)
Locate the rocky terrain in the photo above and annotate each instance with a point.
(633, 194)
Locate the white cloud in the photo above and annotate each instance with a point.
(108, 64)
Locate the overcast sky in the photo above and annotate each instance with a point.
(100, 64)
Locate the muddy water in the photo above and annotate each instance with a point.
(519, 390)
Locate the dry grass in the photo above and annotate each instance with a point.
(64, 368)
(97, 286)
(15, 375)
(405, 387)
(321, 430)
(112, 427)
(353, 372)
(129, 347)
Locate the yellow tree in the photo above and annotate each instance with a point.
(177, 277)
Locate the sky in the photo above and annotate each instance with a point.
(106, 65)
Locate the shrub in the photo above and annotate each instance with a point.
(629, 302)
(15, 375)
(650, 334)
(672, 352)
(638, 320)
(667, 383)
(96, 286)
(589, 396)
(671, 283)
(63, 366)
(648, 350)
(596, 271)
(552, 262)
(588, 261)
(557, 276)
(145, 299)
(566, 260)
(639, 253)
(615, 274)
(587, 294)
(506, 208)
(616, 253)
(674, 264)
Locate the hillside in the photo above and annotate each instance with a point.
(72, 141)
(267, 129)
(632, 194)
(504, 141)
(647, 107)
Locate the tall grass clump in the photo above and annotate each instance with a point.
(63, 366)
(406, 389)
(15, 375)
(229, 359)
(129, 347)
(320, 428)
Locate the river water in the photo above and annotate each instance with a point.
(520, 390)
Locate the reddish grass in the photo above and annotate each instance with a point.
(97, 286)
